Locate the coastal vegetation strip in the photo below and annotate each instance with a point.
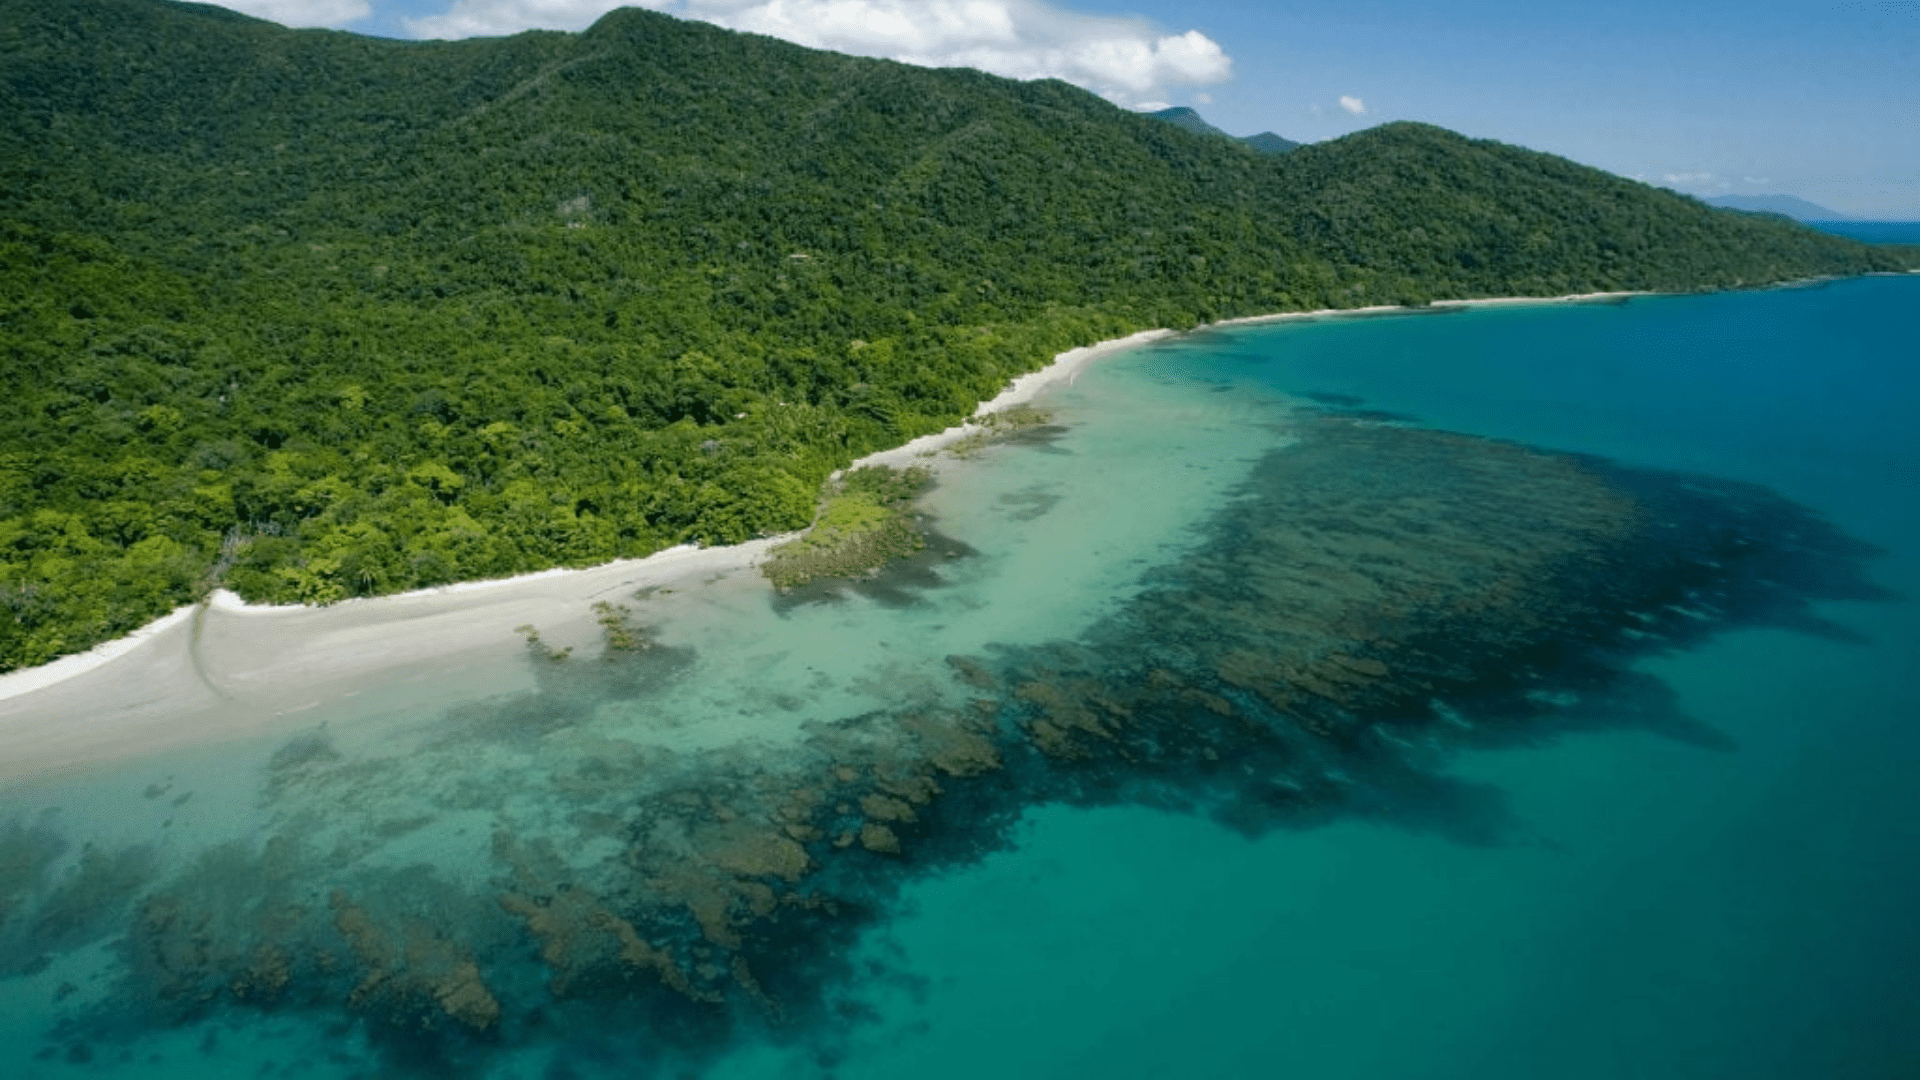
(312, 316)
(864, 522)
(1005, 425)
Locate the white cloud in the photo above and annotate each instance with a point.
(1353, 105)
(304, 12)
(1125, 60)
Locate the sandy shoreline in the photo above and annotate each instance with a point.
(226, 668)
(1443, 305)
(233, 667)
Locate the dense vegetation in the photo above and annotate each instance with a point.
(1182, 117)
(864, 523)
(318, 315)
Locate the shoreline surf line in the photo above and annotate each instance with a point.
(712, 560)
(1065, 367)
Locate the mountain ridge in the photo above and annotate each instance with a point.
(1184, 117)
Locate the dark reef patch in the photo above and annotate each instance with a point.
(1042, 437)
(1031, 503)
(1338, 401)
(1375, 416)
(1371, 600)
(28, 853)
(1377, 596)
(897, 583)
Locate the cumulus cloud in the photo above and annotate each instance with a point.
(304, 12)
(1353, 105)
(1126, 60)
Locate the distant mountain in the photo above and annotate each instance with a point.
(1268, 143)
(1183, 117)
(1787, 205)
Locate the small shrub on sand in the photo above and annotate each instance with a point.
(999, 427)
(863, 523)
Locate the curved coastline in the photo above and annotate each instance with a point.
(237, 667)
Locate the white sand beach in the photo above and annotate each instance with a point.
(1394, 309)
(1065, 367)
(226, 668)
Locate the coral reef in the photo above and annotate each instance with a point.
(1373, 597)
(1023, 423)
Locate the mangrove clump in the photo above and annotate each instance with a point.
(864, 522)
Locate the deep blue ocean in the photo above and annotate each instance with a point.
(1164, 766)
(1873, 232)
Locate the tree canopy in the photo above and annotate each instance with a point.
(318, 315)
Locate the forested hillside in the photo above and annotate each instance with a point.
(1182, 117)
(318, 315)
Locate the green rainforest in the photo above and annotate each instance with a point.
(310, 315)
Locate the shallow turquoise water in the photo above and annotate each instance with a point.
(1674, 913)
(1649, 907)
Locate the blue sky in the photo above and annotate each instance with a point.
(1819, 100)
